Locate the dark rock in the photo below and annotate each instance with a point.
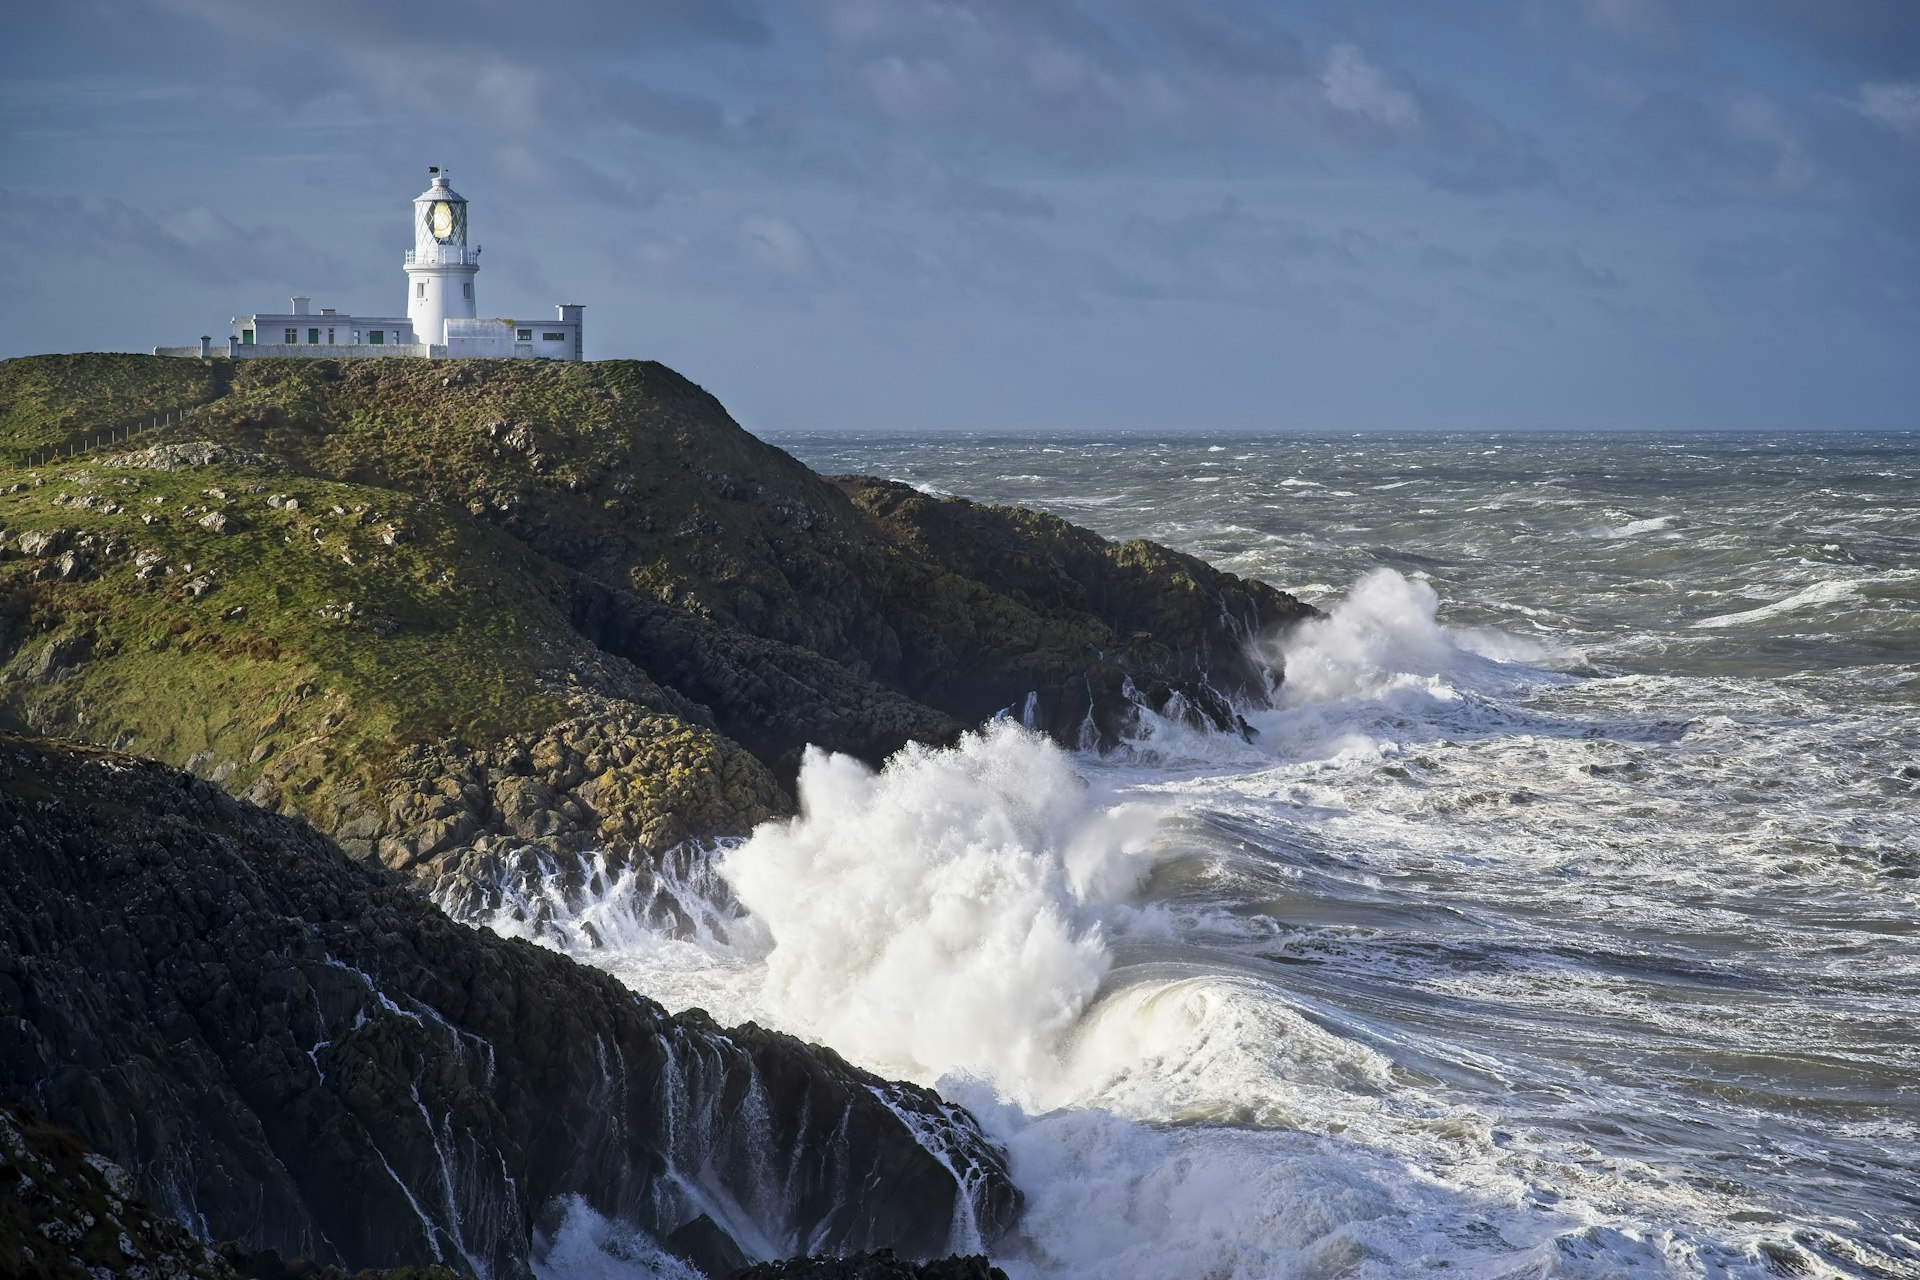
(289, 1050)
(882, 1264)
(67, 1214)
(702, 1245)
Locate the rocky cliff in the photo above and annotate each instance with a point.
(445, 610)
(289, 1049)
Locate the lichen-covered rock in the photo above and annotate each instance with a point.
(289, 1049)
(616, 780)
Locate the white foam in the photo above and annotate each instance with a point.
(986, 919)
(1633, 528)
(945, 915)
(586, 1246)
(1382, 636)
(1832, 591)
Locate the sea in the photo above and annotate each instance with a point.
(1562, 919)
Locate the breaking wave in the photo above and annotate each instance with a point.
(1376, 994)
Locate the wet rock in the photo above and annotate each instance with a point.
(882, 1264)
(67, 1213)
(301, 1055)
(703, 1245)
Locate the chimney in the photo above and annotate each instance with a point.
(300, 301)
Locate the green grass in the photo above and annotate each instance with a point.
(449, 634)
(46, 399)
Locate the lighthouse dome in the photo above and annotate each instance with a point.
(438, 189)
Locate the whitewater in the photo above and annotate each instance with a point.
(1560, 920)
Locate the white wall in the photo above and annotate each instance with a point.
(270, 328)
(480, 339)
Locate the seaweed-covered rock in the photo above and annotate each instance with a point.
(287, 1049)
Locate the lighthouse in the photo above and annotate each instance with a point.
(440, 266)
(442, 322)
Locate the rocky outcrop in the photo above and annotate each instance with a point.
(612, 779)
(282, 1047)
(396, 601)
(67, 1213)
(774, 698)
(881, 1265)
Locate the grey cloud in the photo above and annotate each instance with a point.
(1858, 36)
(1704, 150)
(485, 63)
(1786, 277)
(1870, 36)
(1230, 240)
(635, 104)
(579, 26)
(1516, 257)
(195, 242)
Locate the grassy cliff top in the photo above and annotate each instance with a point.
(46, 399)
(432, 603)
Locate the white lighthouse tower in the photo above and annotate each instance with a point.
(440, 266)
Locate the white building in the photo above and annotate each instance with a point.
(442, 320)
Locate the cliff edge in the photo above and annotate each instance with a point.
(449, 610)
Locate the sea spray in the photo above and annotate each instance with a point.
(583, 1245)
(1322, 1008)
(1384, 638)
(945, 915)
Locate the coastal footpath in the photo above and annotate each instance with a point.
(340, 635)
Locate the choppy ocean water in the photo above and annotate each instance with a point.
(1563, 921)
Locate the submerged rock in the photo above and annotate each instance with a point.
(285, 1048)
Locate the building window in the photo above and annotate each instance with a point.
(378, 337)
(524, 335)
(293, 336)
(356, 337)
(553, 337)
(466, 291)
(329, 337)
(313, 337)
(420, 288)
(246, 337)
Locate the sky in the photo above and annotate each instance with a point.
(1023, 214)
